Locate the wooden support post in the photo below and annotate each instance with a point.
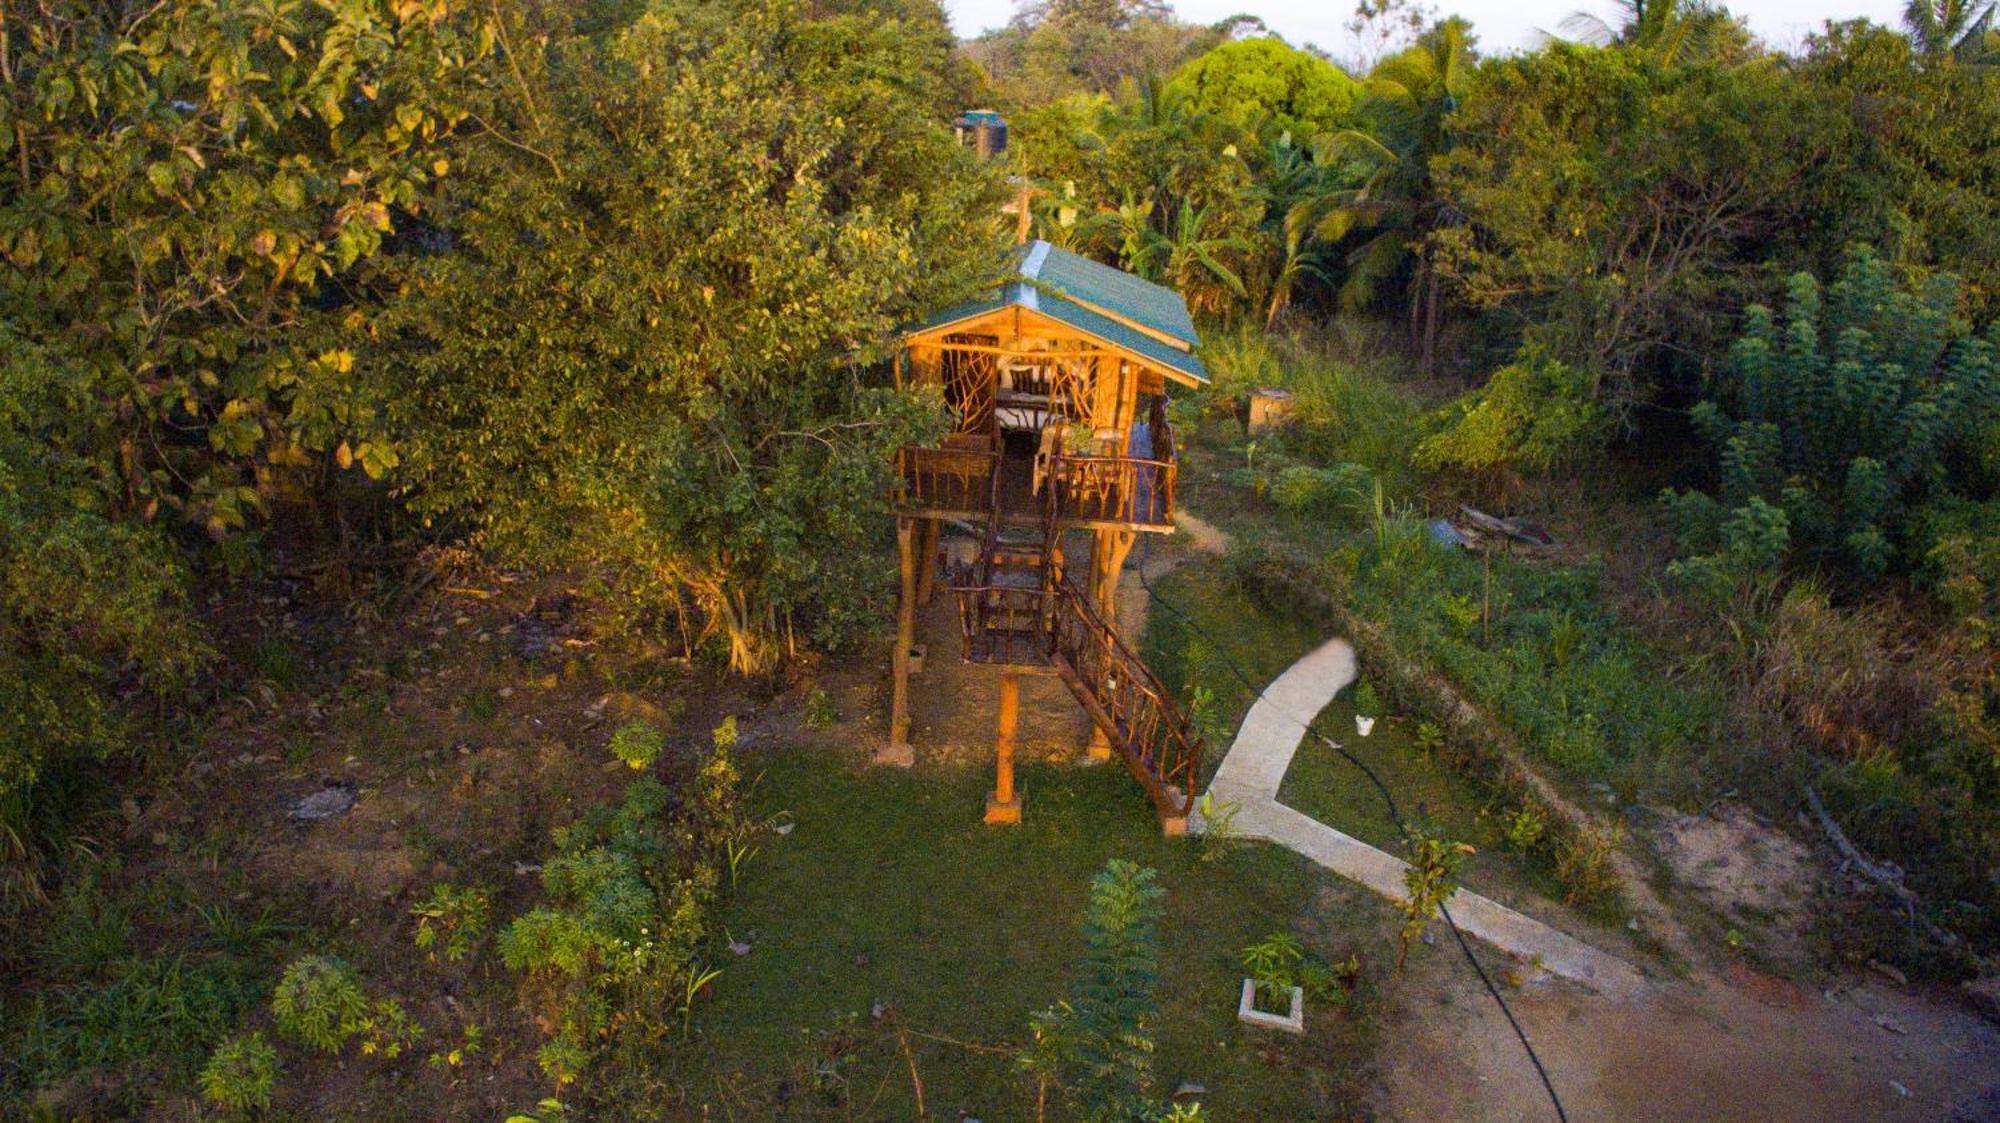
(1004, 805)
(927, 561)
(899, 750)
(1117, 548)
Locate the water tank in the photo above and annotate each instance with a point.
(984, 130)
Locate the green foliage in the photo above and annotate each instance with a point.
(1366, 702)
(1832, 420)
(452, 920)
(1524, 828)
(1274, 965)
(639, 744)
(1957, 542)
(820, 712)
(319, 1003)
(241, 1074)
(90, 607)
(1430, 880)
(1271, 86)
(181, 192)
(1304, 490)
(388, 1030)
(160, 1013)
(1075, 46)
(1535, 413)
(1407, 123)
(1097, 1045)
(1743, 548)
(672, 392)
(615, 955)
(1576, 162)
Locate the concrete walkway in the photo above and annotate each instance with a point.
(1255, 765)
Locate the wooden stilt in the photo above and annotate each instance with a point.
(927, 561)
(899, 751)
(1118, 547)
(1004, 805)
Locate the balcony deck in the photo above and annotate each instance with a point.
(1094, 492)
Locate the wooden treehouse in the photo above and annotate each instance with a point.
(1057, 381)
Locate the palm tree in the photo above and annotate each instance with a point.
(1961, 30)
(1673, 30)
(1407, 103)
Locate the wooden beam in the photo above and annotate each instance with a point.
(927, 562)
(1004, 805)
(906, 628)
(1118, 549)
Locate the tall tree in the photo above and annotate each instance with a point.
(1405, 116)
(656, 349)
(1673, 31)
(1956, 29)
(190, 198)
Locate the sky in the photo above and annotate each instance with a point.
(1502, 24)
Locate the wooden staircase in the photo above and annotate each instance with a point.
(1018, 607)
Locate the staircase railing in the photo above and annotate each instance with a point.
(1127, 701)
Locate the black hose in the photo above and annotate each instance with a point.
(1388, 801)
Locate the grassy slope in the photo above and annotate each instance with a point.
(1320, 783)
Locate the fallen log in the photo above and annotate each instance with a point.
(1887, 876)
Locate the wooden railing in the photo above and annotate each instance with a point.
(1114, 489)
(1156, 740)
(946, 479)
(1005, 623)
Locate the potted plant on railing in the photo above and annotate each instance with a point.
(1367, 707)
(1272, 997)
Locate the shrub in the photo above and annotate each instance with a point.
(1524, 829)
(820, 713)
(452, 920)
(1430, 880)
(615, 948)
(388, 1030)
(1849, 408)
(241, 1074)
(639, 744)
(1583, 863)
(1274, 968)
(1533, 413)
(1097, 1045)
(319, 1002)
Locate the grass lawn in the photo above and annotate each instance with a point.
(890, 890)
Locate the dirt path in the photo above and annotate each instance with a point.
(1752, 1049)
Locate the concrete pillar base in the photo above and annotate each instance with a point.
(1173, 826)
(898, 756)
(1003, 812)
(1099, 751)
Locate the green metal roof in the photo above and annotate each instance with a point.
(1086, 296)
(1113, 290)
